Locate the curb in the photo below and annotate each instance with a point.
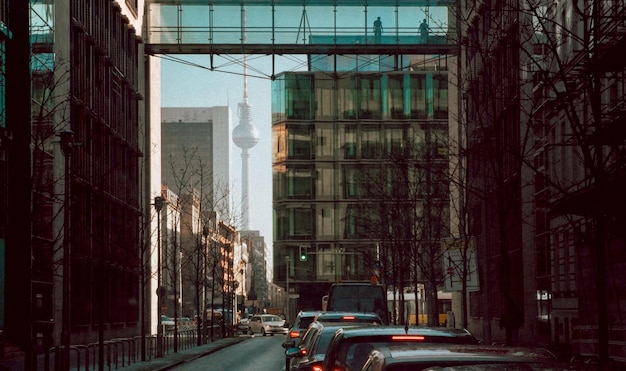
(193, 357)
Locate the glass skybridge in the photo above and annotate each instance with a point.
(277, 27)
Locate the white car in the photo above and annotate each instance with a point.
(267, 324)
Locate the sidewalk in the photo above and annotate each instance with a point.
(172, 359)
(166, 362)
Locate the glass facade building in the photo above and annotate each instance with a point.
(339, 140)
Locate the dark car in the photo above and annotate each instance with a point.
(301, 324)
(439, 357)
(309, 354)
(350, 317)
(349, 348)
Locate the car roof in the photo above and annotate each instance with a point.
(401, 333)
(308, 313)
(430, 355)
(345, 316)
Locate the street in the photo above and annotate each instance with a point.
(256, 353)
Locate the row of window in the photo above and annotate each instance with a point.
(329, 181)
(349, 141)
(334, 221)
(415, 95)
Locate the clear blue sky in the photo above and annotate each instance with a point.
(187, 81)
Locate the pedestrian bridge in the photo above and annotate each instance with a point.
(277, 27)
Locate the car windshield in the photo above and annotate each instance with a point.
(271, 318)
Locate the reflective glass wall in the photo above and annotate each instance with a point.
(337, 141)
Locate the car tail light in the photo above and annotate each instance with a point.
(303, 352)
(316, 367)
(408, 337)
(294, 334)
(349, 318)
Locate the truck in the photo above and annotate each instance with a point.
(357, 297)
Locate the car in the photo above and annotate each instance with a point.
(309, 354)
(439, 357)
(349, 317)
(301, 324)
(349, 348)
(267, 324)
(243, 326)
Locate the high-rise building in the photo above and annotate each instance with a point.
(195, 149)
(352, 152)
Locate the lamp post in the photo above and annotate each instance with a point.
(67, 145)
(158, 205)
(287, 288)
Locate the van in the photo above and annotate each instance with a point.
(358, 297)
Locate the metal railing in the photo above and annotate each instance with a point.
(122, 352)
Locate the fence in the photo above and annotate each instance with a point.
(119, 353)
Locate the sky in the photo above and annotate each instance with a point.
(187, 81)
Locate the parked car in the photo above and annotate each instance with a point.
(350, 347)
(308, 355)
(243, 327)
(439, 357)
(167, 323)
(267, 324)
(301, 324)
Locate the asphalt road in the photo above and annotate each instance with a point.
(257, 353)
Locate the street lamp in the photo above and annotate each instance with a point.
(287, 288)
(158, 205)
(67, 145)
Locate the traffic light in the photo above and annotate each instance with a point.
(303, 253)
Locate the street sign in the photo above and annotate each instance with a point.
(453, 250)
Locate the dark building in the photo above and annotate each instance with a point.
(73, 188)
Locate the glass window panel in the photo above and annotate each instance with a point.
(326, 263)
(347, 98)
(349, 141)
(370, 97)
(324, 140)
(324, 183)
(300, 223)
(324, 222)
(350, 182)
(300, 183)
(299, 91)
(299, 142)
(394, 141)
(440, 96)
(278, 99)
(395, 97)
(324, 98)
(418, 96)
(370, 141)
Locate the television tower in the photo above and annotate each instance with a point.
(245, 137)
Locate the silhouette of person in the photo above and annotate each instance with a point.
(378, 29)
(424, 30)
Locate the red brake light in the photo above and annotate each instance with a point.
(303, 352)
(407, 337)
(316, 367)
(349, 318)
(294, 334)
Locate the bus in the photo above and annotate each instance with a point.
(413, 306)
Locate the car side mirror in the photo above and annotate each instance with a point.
(293, 352)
